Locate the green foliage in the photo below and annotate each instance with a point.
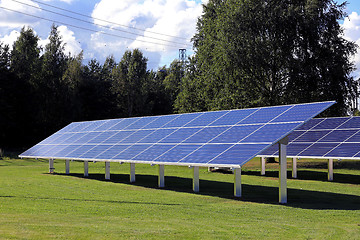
(258, 53)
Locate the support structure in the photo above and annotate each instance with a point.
(330, 170)
(86, 168)
(262, 164)
(107, 170)
(237, 182)
(161, 179)
(196, 180)
(282, 170)
(294, 170)
(132, 172)
(67, 166)
(51, 166)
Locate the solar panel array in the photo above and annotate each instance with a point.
(219, 138)
(324, 138)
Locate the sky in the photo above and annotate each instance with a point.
(159, 28)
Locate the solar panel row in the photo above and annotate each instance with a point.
(230, 137)
(324, 138)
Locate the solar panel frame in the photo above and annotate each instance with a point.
(160, 128)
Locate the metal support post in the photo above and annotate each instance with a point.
(294, 170)
(262, 163)
(196, 179)
(51, 166)
(330, 170)
(282, 170)
(132, 172)
(107, 170)
(86, 168)
(161, 179)
(237, 182)
(67, 166)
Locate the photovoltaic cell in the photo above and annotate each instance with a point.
(226, 138)
(323, 138)
(177, 153)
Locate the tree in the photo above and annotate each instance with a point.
(53, 91)
(8, 94)
(256, 53)
(130, 76)
(172, 80)
(25, 65)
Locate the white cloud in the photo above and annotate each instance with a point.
(174, 19)
(351, 26)
(10, 38)
(11, 19)
(71, 44)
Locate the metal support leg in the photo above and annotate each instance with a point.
(67, 166)
(330, 170)
(161, 179)
(282, 171)
(237, 182)
(86, 168)
(196, 179)
(107, 170)
(294, 170)
(132, 172)
(51, 166)
(262, 163)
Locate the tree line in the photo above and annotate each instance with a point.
(247, 54)
(42, 90)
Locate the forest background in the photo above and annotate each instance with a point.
(290, 52)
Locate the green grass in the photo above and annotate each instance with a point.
(38, 205)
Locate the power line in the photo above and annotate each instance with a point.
(104, 26)
(86, 29)
(84, 15)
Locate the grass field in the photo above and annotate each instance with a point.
(38, 205)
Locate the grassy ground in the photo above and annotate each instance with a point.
(38, 205)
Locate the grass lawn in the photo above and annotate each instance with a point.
(38, 205)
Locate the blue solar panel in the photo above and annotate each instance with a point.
(180, 135)
(95, 151)
(124, 123)
(312, 136)
(299, 112)
(310, 124)
(182, 120)
(152, 152)
(338, 135)
(137, 136)
(205, 119)
(241, 152)
(79, 151)
(324, 138)
(344, 150)
(331, 123)
(264, 115)
(206, 134)
(112, 151)
(353, 122)
(233, 117)
(270, 132)
(235, 134)
(141, 123)
(205, 153)
(229, 137)
(177, 153)
(131, 152)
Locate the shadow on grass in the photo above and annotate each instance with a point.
(311, 175)
(250, 193)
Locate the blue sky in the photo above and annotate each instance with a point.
(157, 27)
